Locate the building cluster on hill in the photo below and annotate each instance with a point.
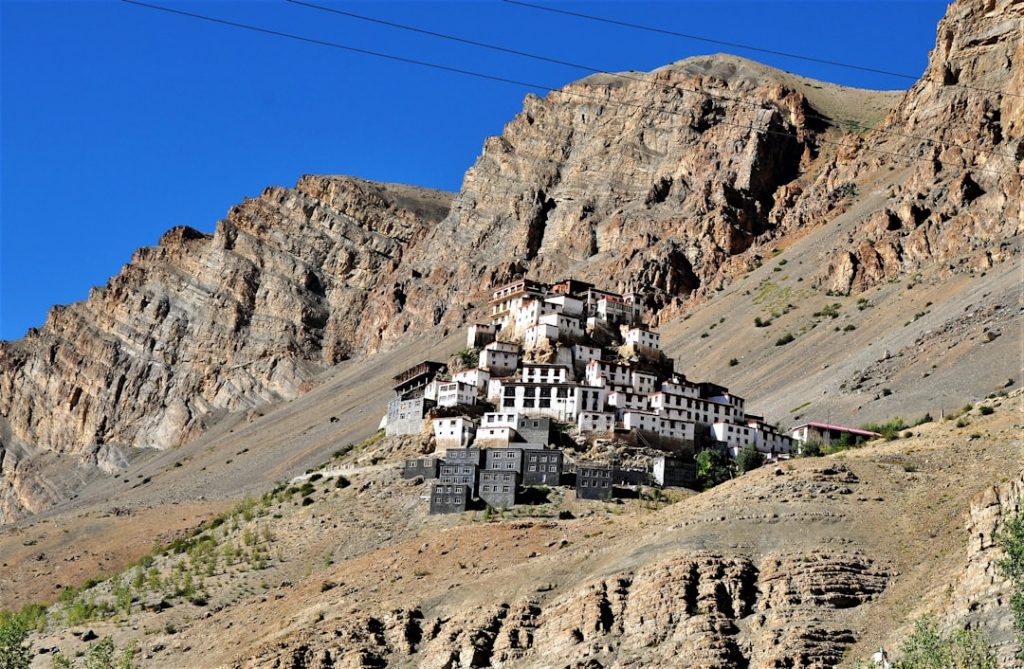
(573, 357)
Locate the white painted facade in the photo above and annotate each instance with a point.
(536, 373)
(475, 377)
(495, 435)
(595, 421)
(736, 437)
(535, 335)
(582, 355)
(455, 393)
(642, 382)
(479, 335)
(566, 304)
(568, 326)
(627, 401)
(560, 401)
(601, 373)
(453, 432)
(499, 358)
(642, 338)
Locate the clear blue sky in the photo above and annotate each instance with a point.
(120, 122)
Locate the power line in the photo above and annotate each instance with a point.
(749, 47)
(516, 82)
(647, 81)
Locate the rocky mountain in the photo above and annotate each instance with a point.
(958, 203)
(680, 180)
(201, 325)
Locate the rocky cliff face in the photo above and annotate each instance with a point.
(204, 324)
(705, 610)
(982, 596)
(959, 201)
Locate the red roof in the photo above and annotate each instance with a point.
(839, 428)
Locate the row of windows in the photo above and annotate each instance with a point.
(447, 500)
(584, 483)
(494, 488)
(551, 468)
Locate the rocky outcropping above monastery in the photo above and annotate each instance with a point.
(962, 125)
(203, 324)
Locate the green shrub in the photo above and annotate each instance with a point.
(733, 362)
(712, 468)
(830, 311)
(889, 430)
(986, 410)
(811, 448)
(929, 648)
(758, 323)
(784, 339)
(749, 459)
(1011, 540)
(13, 652)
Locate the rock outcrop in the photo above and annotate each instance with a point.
(981, 598)
(701, 610)
(199, 324)
(958, 137)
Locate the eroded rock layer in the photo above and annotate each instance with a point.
(702, 610)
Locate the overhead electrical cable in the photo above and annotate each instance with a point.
(621, 75)
(749, 47)
(517, 82)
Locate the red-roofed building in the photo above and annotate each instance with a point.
(826, 433)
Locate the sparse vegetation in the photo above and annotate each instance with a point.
(759, 323)
(13, 652)
(929, 648)
(986, 410)
(713, 467)
(784, 339)
(733, 362)
(1011, 539)
(749, 459)
(830, 311)
(889, 430)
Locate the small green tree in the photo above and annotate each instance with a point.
(13, 653)
(749, 459)
(1011, 540)
(928, 648)
(712, 468)
(811, 448)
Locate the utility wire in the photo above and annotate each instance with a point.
(748, 47)
(644, 80)
(516, 82)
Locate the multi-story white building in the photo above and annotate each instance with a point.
(645, 421)
(566, 304)
(595, 421)
(569, 327)
(454, 432)
(582, 355)
(670, 405)
(643, 339)
(643, 382)
(600, 373)
(563, 401)
(455, 393)
(479, 335)
(736, 437)
(629, 401)
(537, 335)
(506, 300)
(500, 358)
(538, 373)
(475, 377)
